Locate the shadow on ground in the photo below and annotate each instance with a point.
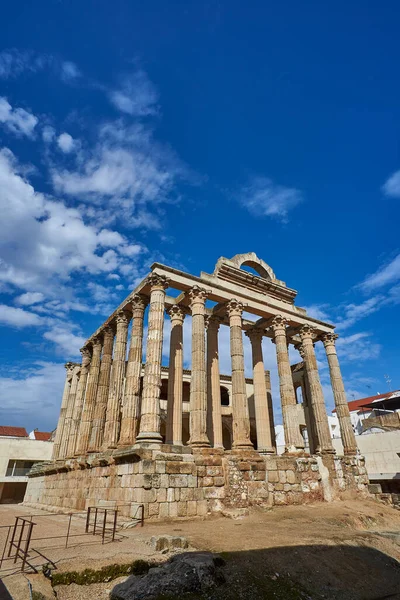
(326, 572)
(298, 573)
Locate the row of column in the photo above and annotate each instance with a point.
(99, 412)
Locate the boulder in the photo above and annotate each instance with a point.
(191, 572)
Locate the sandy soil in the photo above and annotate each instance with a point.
(341, 550)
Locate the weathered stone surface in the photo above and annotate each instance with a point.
(191, 572)
(169, 542)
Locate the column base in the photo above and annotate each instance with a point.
(350, 452)
(149, 437)
(327, 451)
(266, 450)
(294, 450)
(244, 445)
(199, 444)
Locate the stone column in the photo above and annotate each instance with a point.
(293, 439)
(114, 404)
(63, 410)
(99, 415)
(69, 412)
(240, 406)
(270, 409)
(175, 377)
(91, 392)
(131, 402)
(198, 383)
(342, 408)
(324, 442)
(263, 426)
(150, 417)
(214, 416)
(79, 401)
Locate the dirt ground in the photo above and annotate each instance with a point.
(343, 550)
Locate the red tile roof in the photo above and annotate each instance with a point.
(13, 431)
(43, 436)
(358, 404)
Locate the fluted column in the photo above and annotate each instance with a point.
(324, 442)
(99, 415)
(79, 401)
(69, 412)
(175, 377)
(91, 392)
(240, 406)
(263, 426)
(150, 413)
(270, 409)
(63, 410)
(198, 383)
(114, 404)
(214, 416)
(131, 403)
(293, 439)
(342, 408)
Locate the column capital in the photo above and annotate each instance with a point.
(176, 313)
(70, 366)
(329, 339)
(138, 301)
(307, 332)
(157, 282)
(279, 322)
(234, 308)
(212, 322)
(86, 356)
(97, 342)
(108, 332)
(197, 295)
(123, 317)
(255, 335)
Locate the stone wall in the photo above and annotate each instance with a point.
(174, 482)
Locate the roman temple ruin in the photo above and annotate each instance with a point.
(187, 442)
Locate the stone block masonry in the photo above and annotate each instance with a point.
(184, 483)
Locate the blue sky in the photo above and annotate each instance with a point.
(180, 132)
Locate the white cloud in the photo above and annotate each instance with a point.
(41, 239)
(67, 342)
(17, 317)
(136, 95)
(262, 197)
(357, 347)
(32, 397)
(14, 63)
(386, 274)
(392, 186)
(66, 142)
(355, 312)
(69, 71)
(29, 298)
(17, 120)
(125, 172)
(318, 311)
(48, 134)
(110, 239)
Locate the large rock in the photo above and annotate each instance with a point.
(184, 573)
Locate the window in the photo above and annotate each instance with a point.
(19, 468)
(224, 396)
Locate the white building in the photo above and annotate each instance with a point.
(18, 453)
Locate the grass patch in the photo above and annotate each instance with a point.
(103, 575)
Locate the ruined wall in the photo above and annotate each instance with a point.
(181, 484)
